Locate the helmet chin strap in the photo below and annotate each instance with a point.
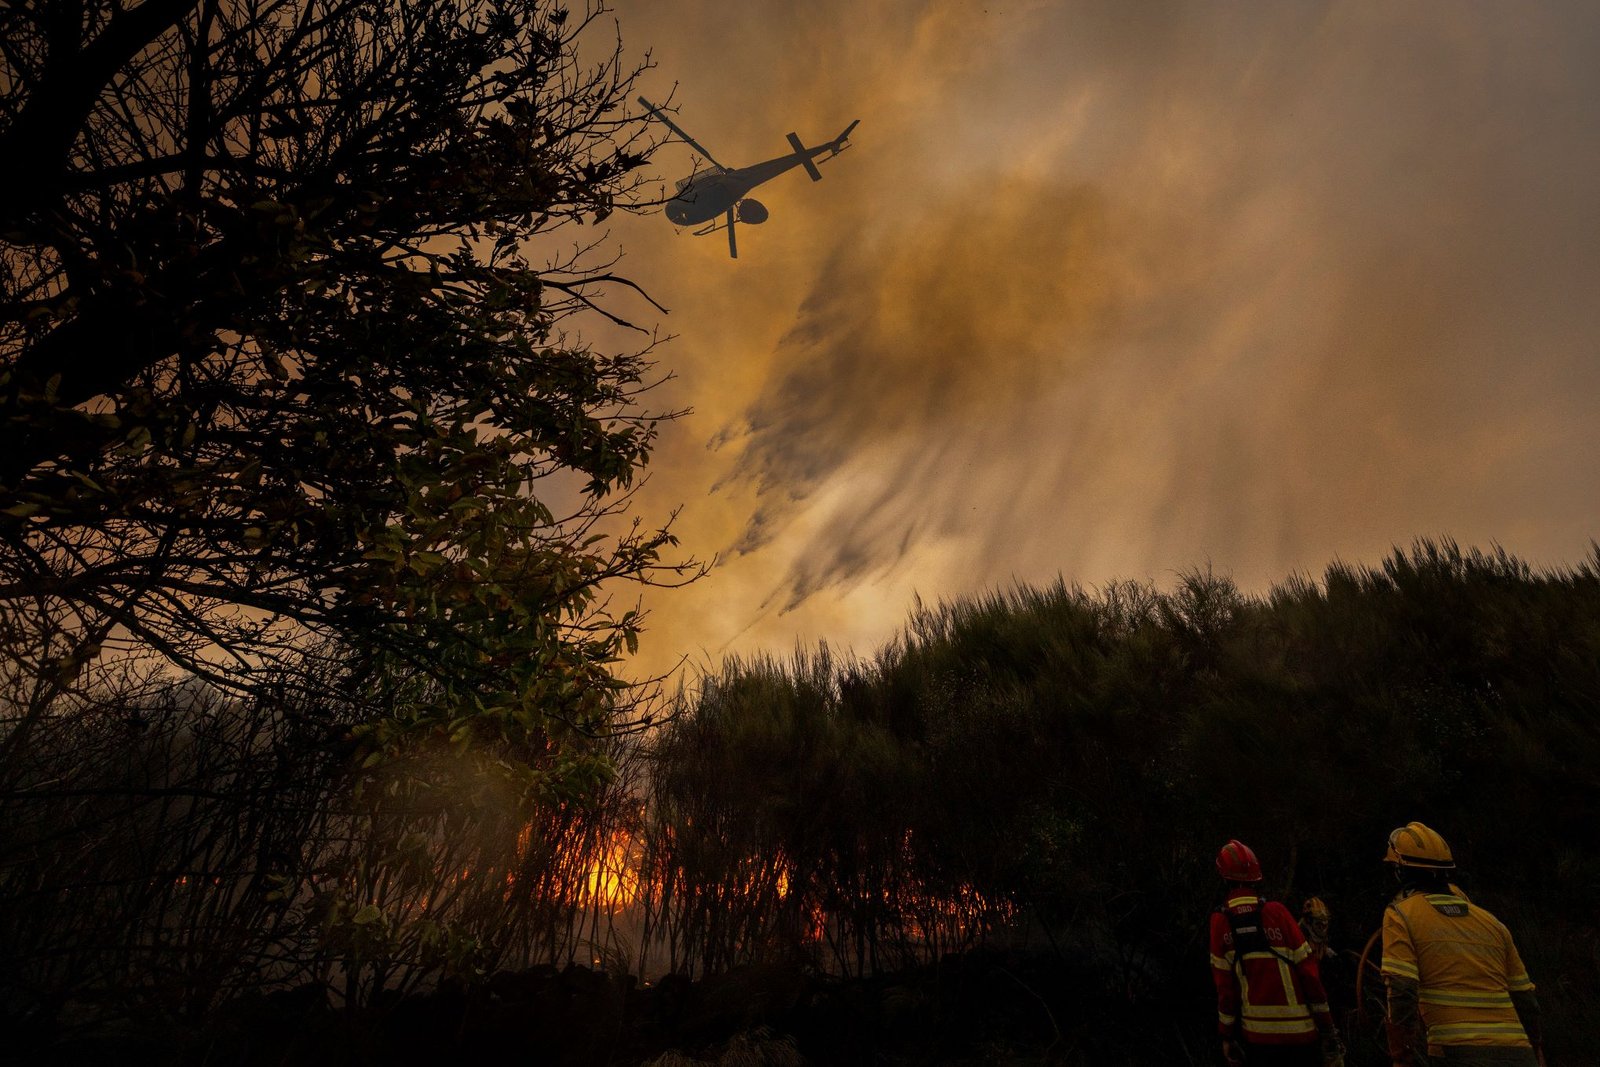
(1420, 879)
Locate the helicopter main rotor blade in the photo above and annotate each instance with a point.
(733, 245)
(675, 128)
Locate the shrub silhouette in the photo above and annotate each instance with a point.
(1060, 764)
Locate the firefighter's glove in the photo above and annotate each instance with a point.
(1401, 1052)
(1232, 1054)
(1332, 1048)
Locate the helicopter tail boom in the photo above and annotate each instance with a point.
(841, 142)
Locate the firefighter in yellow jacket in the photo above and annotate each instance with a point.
(1458, 992)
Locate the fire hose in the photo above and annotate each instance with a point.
(1361, 974)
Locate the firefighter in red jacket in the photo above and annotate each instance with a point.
(1271, 1008)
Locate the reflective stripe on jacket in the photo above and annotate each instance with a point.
(1267, 998)
(1464, 964)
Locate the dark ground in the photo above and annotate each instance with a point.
(988, 1008)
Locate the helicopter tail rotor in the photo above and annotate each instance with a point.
(805, 157)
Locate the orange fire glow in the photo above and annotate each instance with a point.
(613, 877)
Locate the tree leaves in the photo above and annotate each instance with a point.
(297, 378)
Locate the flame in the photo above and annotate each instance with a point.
(613, 877)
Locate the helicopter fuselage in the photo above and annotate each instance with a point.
(710, 194)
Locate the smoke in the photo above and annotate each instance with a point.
(1117, 289)
(929, 330)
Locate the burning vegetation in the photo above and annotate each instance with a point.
(1044, 771)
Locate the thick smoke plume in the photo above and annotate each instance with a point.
(1117, 289)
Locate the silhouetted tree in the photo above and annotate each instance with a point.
(281, 355)
(300, 472)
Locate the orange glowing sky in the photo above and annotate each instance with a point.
(1115, 289)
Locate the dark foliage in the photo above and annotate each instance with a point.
(162, 859)
(281, 363)
(310, 505)
(1060, 766)
(981, 1008)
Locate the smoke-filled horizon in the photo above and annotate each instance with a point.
(1110, 290)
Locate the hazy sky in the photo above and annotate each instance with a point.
(1115, 289)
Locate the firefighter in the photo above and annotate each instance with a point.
(1334, 966)
(1458, 992)
(1315, 920)
(1271, 1008)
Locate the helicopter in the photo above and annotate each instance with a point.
(717, 196)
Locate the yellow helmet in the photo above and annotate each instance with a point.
(1415, 845)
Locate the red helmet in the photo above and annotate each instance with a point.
(1237, 863)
